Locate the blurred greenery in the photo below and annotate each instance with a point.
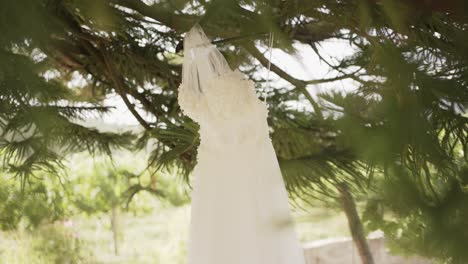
(157, 237)
(47, 244)
(91, 186)
(153, 229)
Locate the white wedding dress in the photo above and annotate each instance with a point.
(240, 212)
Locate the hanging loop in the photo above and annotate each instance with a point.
(270, 50)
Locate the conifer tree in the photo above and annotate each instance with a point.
(399, 141)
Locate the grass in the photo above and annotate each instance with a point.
(153, 238)
(320, 223)
(158, 237)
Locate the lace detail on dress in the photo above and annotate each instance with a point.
(226, 97)
(228, 111)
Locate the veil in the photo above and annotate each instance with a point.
(202, 61)
(210, 89)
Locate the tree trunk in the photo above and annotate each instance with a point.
(355, 224)
(115, 228)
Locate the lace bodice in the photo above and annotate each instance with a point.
(222, 101)
(228, 110)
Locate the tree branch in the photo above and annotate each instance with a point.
(159, 12)
(299, 84)
(120, 88)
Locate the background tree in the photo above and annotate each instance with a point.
(403, 125)
(104, 193)
(110, 189)
(42, 202)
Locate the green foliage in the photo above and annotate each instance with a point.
(59, 245)
(314, 167)
(100, 191)
(50, 244)
(43, 202)
(183, 139)
(36, 129)
(105, 185)
(97, 185)
(92, 186)
(403, 211)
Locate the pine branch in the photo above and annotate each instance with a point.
(299, 84)
(120, 87)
